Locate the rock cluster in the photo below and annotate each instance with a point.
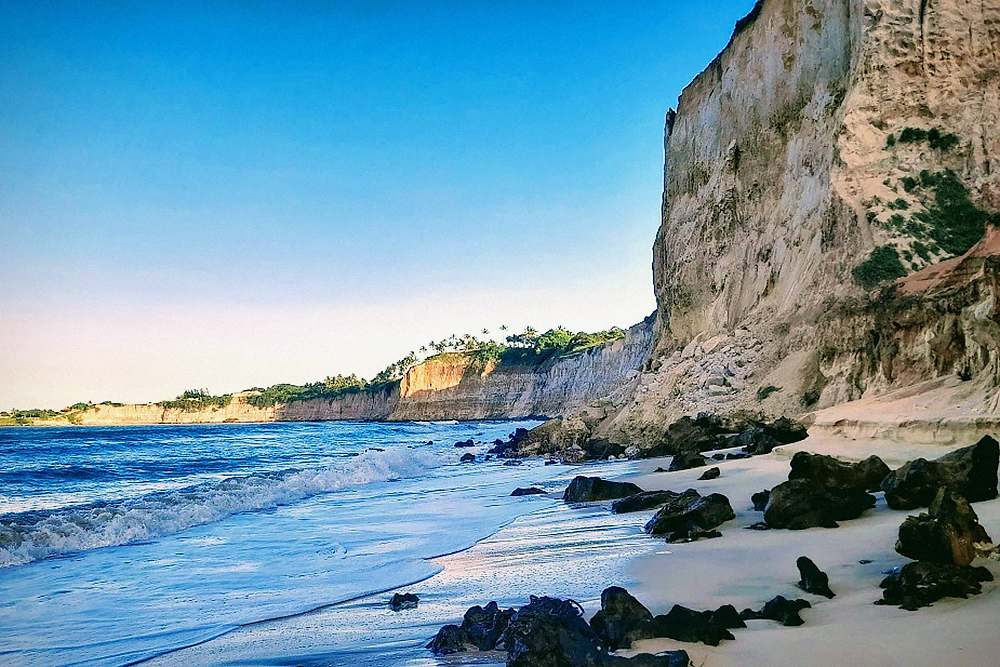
(920, 584)
(947, 533)
(707, 431)
(971, 472)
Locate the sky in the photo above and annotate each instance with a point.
(224, 195)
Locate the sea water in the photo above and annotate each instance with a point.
(118, 544)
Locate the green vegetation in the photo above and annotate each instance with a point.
(934, 137)
(882, 265)
(898, 205)
(192, 400)
(951, 220)
(330, 388)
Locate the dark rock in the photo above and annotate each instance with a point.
(429, 442)
(778, 609)
(756, 441)
(719, 457)
(550, 632)
(802, 503)
(668, 659)
(660, 469)
(760, 525)
(921, 584)
(530, 491)
(705, 512)
(760, 499)
(404, 601)
(468, 457)
(689, 435)
(465, 443)
(513, 462)
(642, 501)
(971, 472)
(946, 534)
(483, 626)
(690, 532)
(688, 625)
(586, 489)
(813, 580)
(732, 456)
(864, 561)
(785, 430)
(599, 449)
(711, 473)
(512, 447)
(686, 460)
(620, 614)
(551, 462)
(828, 471)
(447, 641)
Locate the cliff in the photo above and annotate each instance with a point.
(454, 386)
(833, 146)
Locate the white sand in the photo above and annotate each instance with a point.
(746, 568)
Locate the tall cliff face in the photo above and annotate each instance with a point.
(832, 144)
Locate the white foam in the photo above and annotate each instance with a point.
(155, 515)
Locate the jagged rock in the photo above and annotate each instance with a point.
(705, 512)
(530, 491)
(756, 441)
(802, 503)
(483, 626)
(465, 443)
(785, 430)
(711, 473)
(688, 625)
(447, 641)
(620, 614)
(971, 472)
(551, 462)
(946, 534)
(586, 489)
(828, 471)
(550, 632)
(760, 525)
(686, 460)
(690, 532)
(778, 609)
(599, 449)
(921, 584)
(812, 579)
(642, 501)
(760, 499)
(404, 601)
(688, 434)
(512, 447)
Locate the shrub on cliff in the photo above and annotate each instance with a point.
(882, 265)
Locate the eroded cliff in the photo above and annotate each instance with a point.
(834, 145)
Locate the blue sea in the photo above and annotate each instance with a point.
(121, 545)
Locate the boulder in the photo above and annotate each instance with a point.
(620, 614)
(586, 489)
(922, 584)
(812, 579)
(447, 641)
(946, 534)
(755, 441)
(600, 449)
(828, 471)
(686, 460)
(483, 626)
(778, 609)
(688, 625)
(642, 501)
(785, 430)
(465, 443)
(468, 457)
(530, 491)
(705, 512)
(549, 632)
(711, 473)
(802, 503)
(404, 601)
(760, 499)
(733, 456)
(971, 472)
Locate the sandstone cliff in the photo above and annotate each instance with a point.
(832, 146)
(450, 387)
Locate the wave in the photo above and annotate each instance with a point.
(32, 536)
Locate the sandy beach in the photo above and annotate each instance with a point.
(575, 551)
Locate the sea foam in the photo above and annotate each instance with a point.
(31, 536)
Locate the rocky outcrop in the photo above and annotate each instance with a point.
(947, 533)
(969, 471)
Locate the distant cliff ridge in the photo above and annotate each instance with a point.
(452, 386)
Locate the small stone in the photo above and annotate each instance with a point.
(711, 473)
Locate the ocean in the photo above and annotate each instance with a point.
(124, 545)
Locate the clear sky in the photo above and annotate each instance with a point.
(228, 194)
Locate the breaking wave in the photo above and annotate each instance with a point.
(31, 536)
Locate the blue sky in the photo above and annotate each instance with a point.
(229, 194)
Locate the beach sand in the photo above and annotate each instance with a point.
(576, 551)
